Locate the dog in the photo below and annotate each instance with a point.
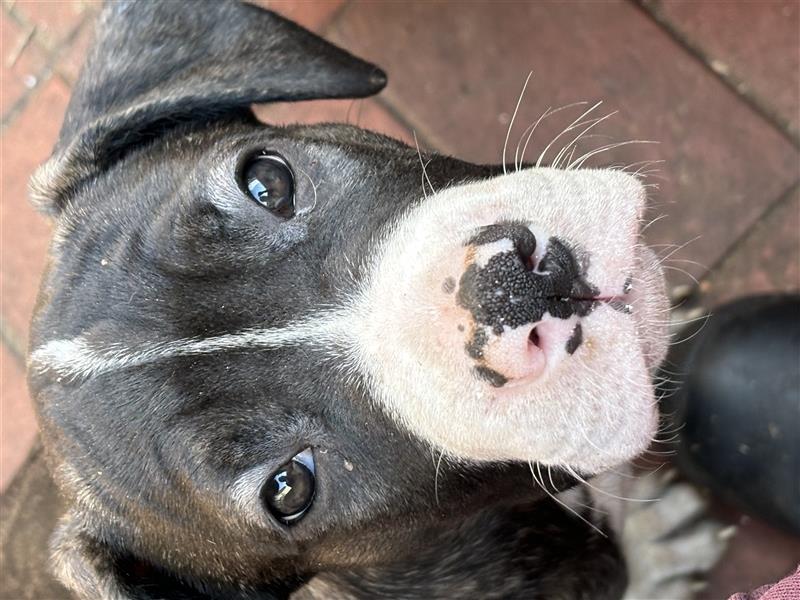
(312, 361)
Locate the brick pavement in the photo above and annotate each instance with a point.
(716, 84)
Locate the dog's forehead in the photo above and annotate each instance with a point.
(349, 182)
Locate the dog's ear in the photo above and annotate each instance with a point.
(156, 64)
(86, 566)
(90, 566)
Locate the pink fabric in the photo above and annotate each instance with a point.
(785, 589)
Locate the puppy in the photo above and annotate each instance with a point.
(309, 361)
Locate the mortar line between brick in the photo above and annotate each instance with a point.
(426, 141)
(12, 343)
(784, 197)
(334, 34)
(747, 98)
(58, 67)
(22, 45)
(9, 10)
(42, 77)
(52, 58)
(331, 22)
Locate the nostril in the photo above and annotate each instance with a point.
(525, 244)
(533, 337)
(528, 262)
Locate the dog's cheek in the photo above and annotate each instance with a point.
(192, 238)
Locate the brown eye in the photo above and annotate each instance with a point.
(268, 179)
(289, 491)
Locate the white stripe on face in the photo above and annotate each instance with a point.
(79, 358)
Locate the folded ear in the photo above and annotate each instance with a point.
(92, 568)
(156, 64)
(84, 565)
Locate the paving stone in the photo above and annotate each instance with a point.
(71, 59)
(22, 62)
(366, 113)
(18, 424)
(766, 260)
(755, 44)
(31, 508)
(724, 164)
(55, 20)
(25, 144)
(311, 14)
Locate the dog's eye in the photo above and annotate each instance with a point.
(289, 491)
(270, 182)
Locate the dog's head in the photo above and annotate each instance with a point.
(260, 350)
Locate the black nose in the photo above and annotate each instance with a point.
(506, 291)
(521, 237)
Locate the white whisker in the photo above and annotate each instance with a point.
(532, 128)
(436, 479)
(591, 124)
(571, 126)
(424, 166)
(514, 116)
(578, 162)
(605, 492)
(573, 511)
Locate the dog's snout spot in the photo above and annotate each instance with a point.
(449, 285)
(628, 285)
(476, 344)
(575, 340)
(494, 378)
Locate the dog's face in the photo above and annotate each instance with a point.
(258, 350)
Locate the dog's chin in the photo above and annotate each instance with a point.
(569, 388)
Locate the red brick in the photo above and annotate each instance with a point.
(55, 20)
(311, 14)
(766, 260)
(17, 420)
(456, 76)
(25, 234)
(71, 59)
(366, 113)
(22, 62)
(755, 44)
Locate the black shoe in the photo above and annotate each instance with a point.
(739, 406)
